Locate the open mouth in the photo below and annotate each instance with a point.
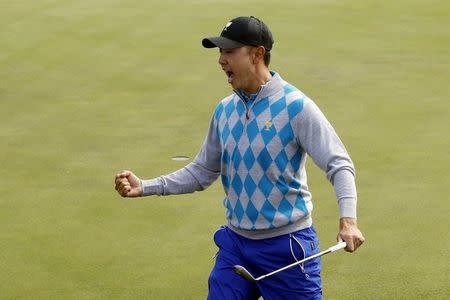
(230, 76)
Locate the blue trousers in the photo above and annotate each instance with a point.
(260, 257)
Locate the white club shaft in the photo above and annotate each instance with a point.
(336, 247)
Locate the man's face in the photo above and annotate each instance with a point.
(238, 65)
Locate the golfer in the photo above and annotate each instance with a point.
(258, 140)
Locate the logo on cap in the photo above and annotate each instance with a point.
(226, 26)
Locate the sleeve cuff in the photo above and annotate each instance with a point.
(345, 189)
(152, 187)
(347, 208)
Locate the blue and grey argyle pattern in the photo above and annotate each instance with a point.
(261, 159)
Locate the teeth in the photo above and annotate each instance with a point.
(230, 76)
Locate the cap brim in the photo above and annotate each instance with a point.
(220, 42)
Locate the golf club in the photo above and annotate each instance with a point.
(243, 272)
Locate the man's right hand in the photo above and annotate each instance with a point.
(128, 184)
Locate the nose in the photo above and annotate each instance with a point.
(222, 60)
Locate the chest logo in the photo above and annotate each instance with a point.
(268, 125)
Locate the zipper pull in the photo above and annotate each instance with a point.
(246, 115)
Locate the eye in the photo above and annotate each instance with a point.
(226, 51)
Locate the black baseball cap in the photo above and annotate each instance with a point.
(242, 31)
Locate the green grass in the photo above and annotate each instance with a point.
(88, 88)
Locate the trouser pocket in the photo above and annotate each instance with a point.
(303, 244)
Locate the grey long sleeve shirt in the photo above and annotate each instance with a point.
(259, 151)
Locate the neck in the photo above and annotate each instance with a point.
(262, 76)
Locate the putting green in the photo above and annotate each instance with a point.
(88, 88)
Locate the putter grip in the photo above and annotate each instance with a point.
(338, 246)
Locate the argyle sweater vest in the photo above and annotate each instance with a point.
(262, 163)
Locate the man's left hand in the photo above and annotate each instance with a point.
(349, 233)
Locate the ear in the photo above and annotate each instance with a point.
(259, 54)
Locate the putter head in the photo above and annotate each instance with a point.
(244, 273)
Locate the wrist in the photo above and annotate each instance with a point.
(346, 222)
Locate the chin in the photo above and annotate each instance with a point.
(236, 85)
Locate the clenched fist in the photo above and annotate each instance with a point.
(349, 233)
(128, 184)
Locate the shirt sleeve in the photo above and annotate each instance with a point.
(196, 176)
(321, 142)
(345, 190)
